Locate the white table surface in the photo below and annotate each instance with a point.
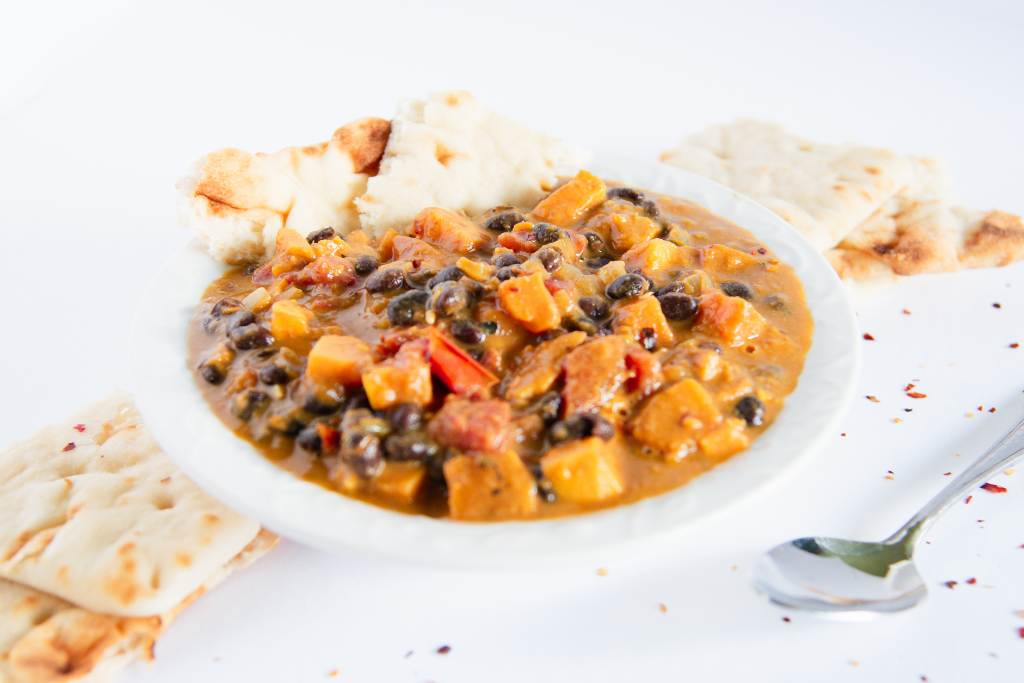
(103, 105)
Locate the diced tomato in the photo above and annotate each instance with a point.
(324, 270)
(263, 275)
(329, 438)
(555, 285)
(644, 371)
(456, 368)
(518, 241)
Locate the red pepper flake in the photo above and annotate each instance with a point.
(950, 584)
(868, 336)
(444, 649)
(842, 433)
(981, 408)
(993, 488)
(762, 251)
(79, 427)
(947, 474)
(663, 608)
(786, 619)
(909, 386)
(916, 394)
(69, 447)
(997, 305)
(971, 581)
(1020, 632)
(908, 410)
(992, 409)
(872, 398)
(906, 311)
(1014, 345)
(968, 499)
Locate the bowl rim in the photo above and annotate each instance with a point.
(176, 413)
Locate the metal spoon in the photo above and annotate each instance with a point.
(837, 575)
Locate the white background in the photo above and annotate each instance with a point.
(103, 105)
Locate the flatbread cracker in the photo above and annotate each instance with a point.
(450, 151)
(96, 514)
(237, 201)
(824, 191)
(44, 639)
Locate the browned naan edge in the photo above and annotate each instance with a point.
(229, 186)
(74, 643)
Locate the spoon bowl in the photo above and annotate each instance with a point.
(837, 575)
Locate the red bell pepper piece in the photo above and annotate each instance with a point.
(456, 368)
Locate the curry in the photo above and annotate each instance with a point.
(600, 347)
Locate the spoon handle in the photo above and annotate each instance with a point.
(1000, 455)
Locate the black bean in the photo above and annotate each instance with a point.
(418, 279)
(549, 406)
(751, 409)
(650, 207)
(580, 426)
(581, 323)
(629, 194)
(211, 373)
(671, 288)
(594, 306)
(648, 338)
(447, 274)
(322, 402)
(414, 446)
(678, 306)
(287, 424)
(502, 260)
(625, 286)
(407, 309)
(598, 262)
(385, 280)
(250, 337)
(488, 326)
(226, 306)
(595, 242)
(505, 221)
(545, 233)
(309, 439)
(448, 299)
(467, 332)
(245, 404)
(272, 374)
(364, 264)
(546, 490)
(550, 257)
(733, 288)
(405, 417)
(240, 319)
(506, 273)
(317, 235)
(362, 452)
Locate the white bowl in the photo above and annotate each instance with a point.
(231, 470)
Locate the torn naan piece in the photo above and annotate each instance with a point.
(95, 513)
(44, 639)
(824, 191)
(450, 151)
(237, 201)
(919, 231)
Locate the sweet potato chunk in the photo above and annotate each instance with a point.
(467, 425)
(335, 359)
(729, 318)
(593, 373)
(718, 257)
(584, 471)
(400, 482)
(724, 440)
(542, 368)
(418, 252)
(449, 230)
(652, 257)
(291, 243)
(529, 302)
(403, 379)
(644, 313)
(630, 229)
(674, 418)
(486, 487)
(289, 320)
(572, 200)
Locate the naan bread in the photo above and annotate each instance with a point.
(919, 230)
(911, 226)
(237, 201)
(824, 191)
(44, 639)
(93, 512)
(450, 151)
